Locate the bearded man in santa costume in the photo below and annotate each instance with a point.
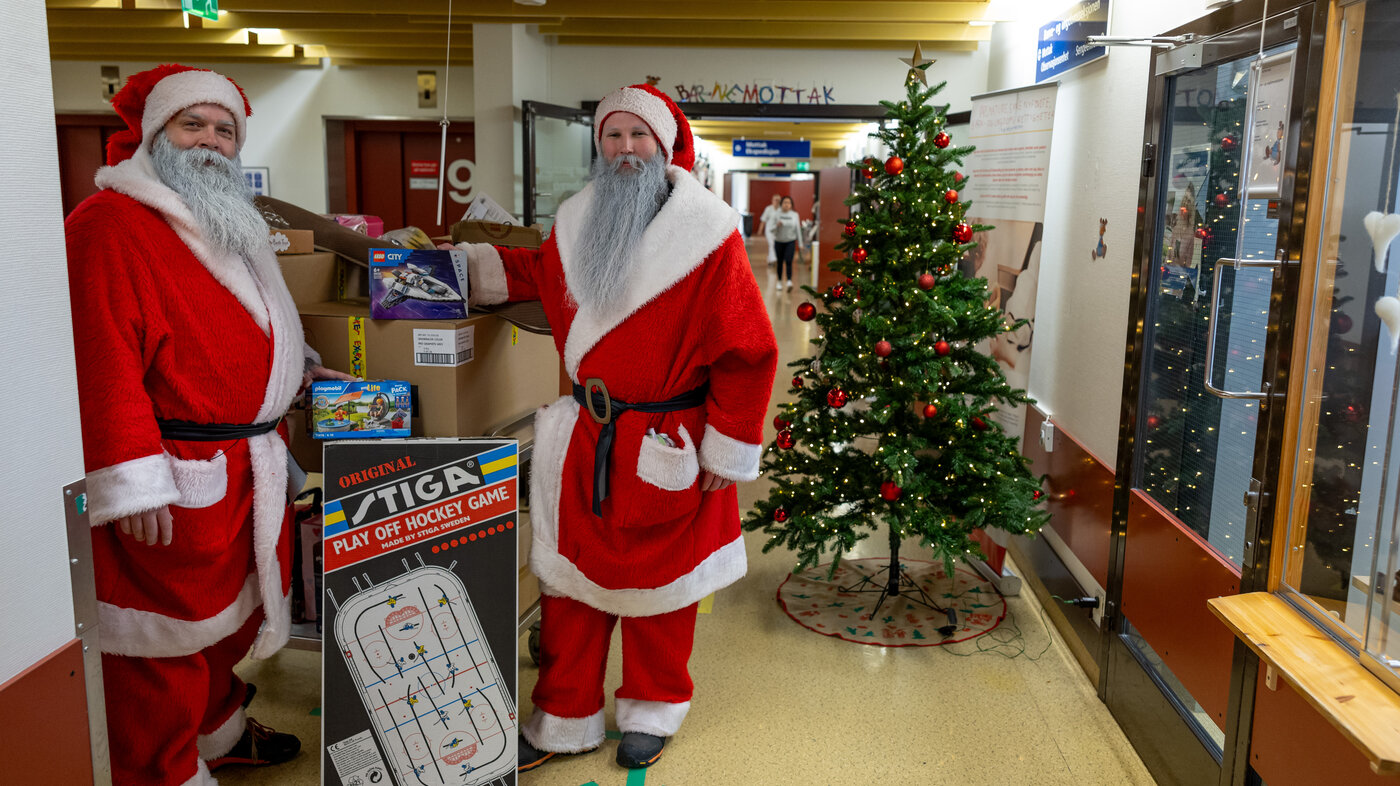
(189, 351)
(660, 323)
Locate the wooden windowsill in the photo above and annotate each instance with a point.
(1352, 699)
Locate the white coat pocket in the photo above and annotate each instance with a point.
(668, 468)
(201, 482)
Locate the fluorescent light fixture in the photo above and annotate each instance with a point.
(981, 22)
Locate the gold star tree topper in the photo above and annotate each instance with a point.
(916, 60)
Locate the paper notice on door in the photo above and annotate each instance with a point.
(422, 184)
(357, 760)
(1268, 142)
(433, 347)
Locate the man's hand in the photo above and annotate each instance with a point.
(321, 372)
(148, 527)
(709, 481)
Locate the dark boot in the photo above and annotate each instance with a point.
(639, 749)
(530, 756)
(259, 746)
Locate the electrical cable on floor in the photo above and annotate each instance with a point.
(1006, 640)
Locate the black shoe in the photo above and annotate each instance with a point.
(259, 746)
(639, 749)
(249, 691)
(530, 756)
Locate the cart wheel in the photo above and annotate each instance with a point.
(534, 643)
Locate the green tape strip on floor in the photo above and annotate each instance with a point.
(636, 777)
(613, 735)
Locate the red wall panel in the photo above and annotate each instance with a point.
(44, 713)
(1292, 745)
(1080, 491)
(1168, 575)
(835, 186)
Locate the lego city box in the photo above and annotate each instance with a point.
(359, 410)
(419, 612)
(410, 283)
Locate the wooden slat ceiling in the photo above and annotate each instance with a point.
(413, 32)
(827, 138)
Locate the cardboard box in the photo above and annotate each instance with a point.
(291, 241)
(322, 276)
(498, 234)
(495, 373)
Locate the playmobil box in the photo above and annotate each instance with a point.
(357, 410)
(407, 283)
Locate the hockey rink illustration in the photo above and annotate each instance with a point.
(428, 680)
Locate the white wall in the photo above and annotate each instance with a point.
(286, 133)
(40, 447)
(1082, 308)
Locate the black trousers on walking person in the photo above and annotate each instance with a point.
(785, 250)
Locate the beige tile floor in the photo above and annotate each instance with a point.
(777, 704)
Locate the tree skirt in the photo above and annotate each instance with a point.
(818, 603)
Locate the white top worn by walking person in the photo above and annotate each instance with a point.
(763, 221)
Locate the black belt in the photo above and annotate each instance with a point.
(189, 431)
(610, 408)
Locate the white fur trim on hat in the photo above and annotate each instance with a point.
(185, 89)
(644, 105)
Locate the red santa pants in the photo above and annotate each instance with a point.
(656, 687)
(166, 715)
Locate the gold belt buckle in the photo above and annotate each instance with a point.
(588, 387)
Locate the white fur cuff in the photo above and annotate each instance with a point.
(661, 718)
(134, 486)
(563, 735)
(201, 776)
(728, 457)
(221, 740)
(486, 276)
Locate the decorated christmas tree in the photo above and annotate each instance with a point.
(891, 423)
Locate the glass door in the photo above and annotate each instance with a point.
(557, 156)
(1202, 384)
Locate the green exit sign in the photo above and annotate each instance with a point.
(207, 9)
(804, 166)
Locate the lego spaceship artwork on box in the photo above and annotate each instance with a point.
(414, 282)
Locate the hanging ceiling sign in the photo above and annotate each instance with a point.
(205, 9)
(1064, 42)
(773, 148)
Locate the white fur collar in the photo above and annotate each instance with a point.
(691, 225)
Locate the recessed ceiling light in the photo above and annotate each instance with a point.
(529, 2)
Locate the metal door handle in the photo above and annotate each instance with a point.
(1220, 265)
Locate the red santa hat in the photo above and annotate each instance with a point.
(659, 112)
(149, 99)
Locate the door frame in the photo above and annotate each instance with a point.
(1228, 33)
(340, 147)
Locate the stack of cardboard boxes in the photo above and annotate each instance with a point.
(498, 375)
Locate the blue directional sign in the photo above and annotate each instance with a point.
(773, 148)
(1063, 43)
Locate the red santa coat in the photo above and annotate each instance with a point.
(165, 326)
(692, 315)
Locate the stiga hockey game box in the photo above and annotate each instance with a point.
(420, 613)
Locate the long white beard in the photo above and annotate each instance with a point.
(624, 203)
(216, 193)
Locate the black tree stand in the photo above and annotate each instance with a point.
(897, 583)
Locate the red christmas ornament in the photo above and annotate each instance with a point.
(806, 312)
(942, 347)
(1153, 421)
(941, 139)
(1228, 143)
(785, 440)
(838, 291)
(979, 424)
(860, 254)
(883, 348)
(836, 398)
(950, 196)
(797, 382)
(889, 491)
(962, 232)
(850, 229)
(930, 411)
(926, 281)
(780, 424)
(957, 177)
(894, 165)
(780, 515)
(1341, 323)
(1221, 200)
(1037, 494)
(872, 165)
